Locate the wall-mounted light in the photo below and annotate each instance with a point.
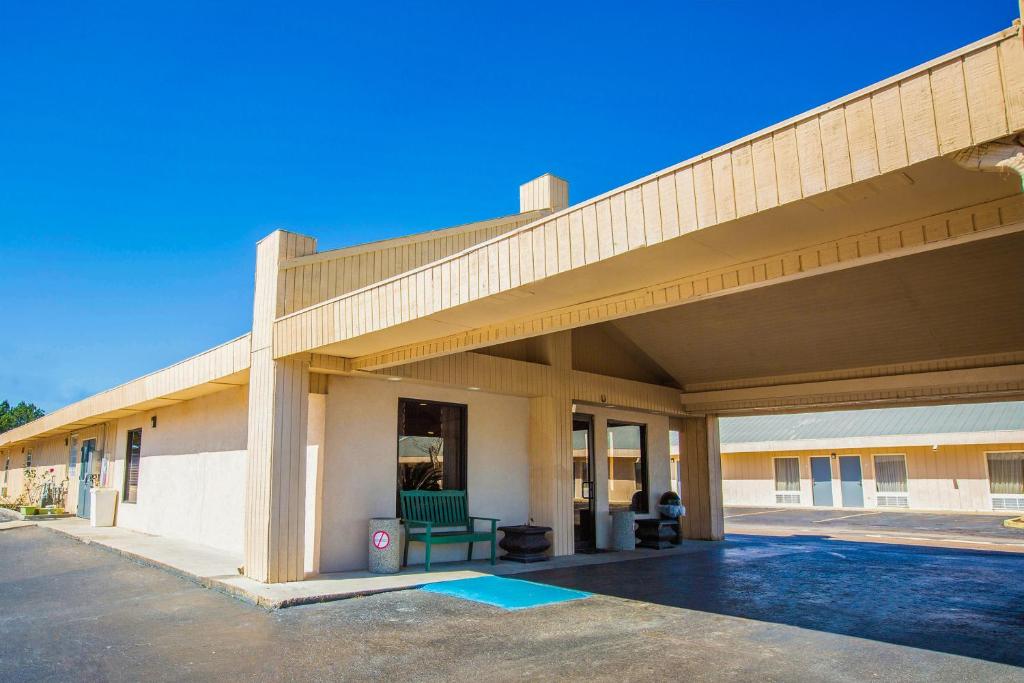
(394, 379)
(473, 388)
(153, 421)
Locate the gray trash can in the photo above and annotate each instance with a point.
(384, 545)
(623, 530)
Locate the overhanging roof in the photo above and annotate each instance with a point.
(219, 368)
(924, 426)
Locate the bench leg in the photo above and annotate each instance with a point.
(428, 557)
(492, 550)
(405, 551)
(469, 554)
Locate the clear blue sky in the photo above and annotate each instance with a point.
(145, 147)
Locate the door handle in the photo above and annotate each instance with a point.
(586, 489)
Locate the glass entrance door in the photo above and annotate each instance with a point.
(583, 482)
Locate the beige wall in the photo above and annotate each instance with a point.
(191, 475)
(54, 452)
(947, 478)
(314, 481)
(192, 470)
(361, 463)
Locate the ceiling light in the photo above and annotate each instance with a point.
(394, 379)
(473, 388)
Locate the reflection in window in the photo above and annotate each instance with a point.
(675, 458)
(627, 467)
(890, 474)
(431, 445)
(1006, 473)
(787, 474)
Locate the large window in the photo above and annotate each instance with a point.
(787, 474)
(132, 460)
(1006, 473)
(431, 445)
(627, 467)
(891, 474)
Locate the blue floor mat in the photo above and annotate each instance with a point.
(505, 593)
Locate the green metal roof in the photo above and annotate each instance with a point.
(965, 418)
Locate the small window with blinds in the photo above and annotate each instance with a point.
(132, 460)
(787, 475)
(891, 474)
(1006, 473)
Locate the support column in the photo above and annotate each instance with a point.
(701, 471)
(551, 493)
(278, 423)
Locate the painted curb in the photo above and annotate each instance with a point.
(1016, 523)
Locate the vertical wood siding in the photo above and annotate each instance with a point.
(322, 276)
(278, 410)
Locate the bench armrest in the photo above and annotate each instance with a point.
(493, 520)
(409, 523)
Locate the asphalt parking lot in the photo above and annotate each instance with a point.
(751, 608)
(982, 528)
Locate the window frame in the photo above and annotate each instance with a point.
(906, 474)
(799, 475)
(644, 465)
(988, 472)
(463, 438)
(128, 465)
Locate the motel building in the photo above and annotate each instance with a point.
(863, 254)
(967, 457)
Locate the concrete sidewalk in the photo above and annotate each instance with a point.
(218, 569)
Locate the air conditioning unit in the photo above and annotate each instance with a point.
(1008, 502)
(889, 500)
(787, 498)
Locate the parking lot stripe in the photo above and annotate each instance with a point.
(747, 514)
(832, 519)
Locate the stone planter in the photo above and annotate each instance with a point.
(525, 543)
(657, 533)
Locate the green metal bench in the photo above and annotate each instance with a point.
(427, 511)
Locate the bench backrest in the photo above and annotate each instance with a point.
(442, 508)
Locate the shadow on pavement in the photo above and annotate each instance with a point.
(963, 602)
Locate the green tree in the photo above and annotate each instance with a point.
(11, 417)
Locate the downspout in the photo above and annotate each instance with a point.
(999, 156)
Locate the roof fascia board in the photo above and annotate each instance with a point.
(888, 441)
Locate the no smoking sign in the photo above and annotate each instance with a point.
(381, 540)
